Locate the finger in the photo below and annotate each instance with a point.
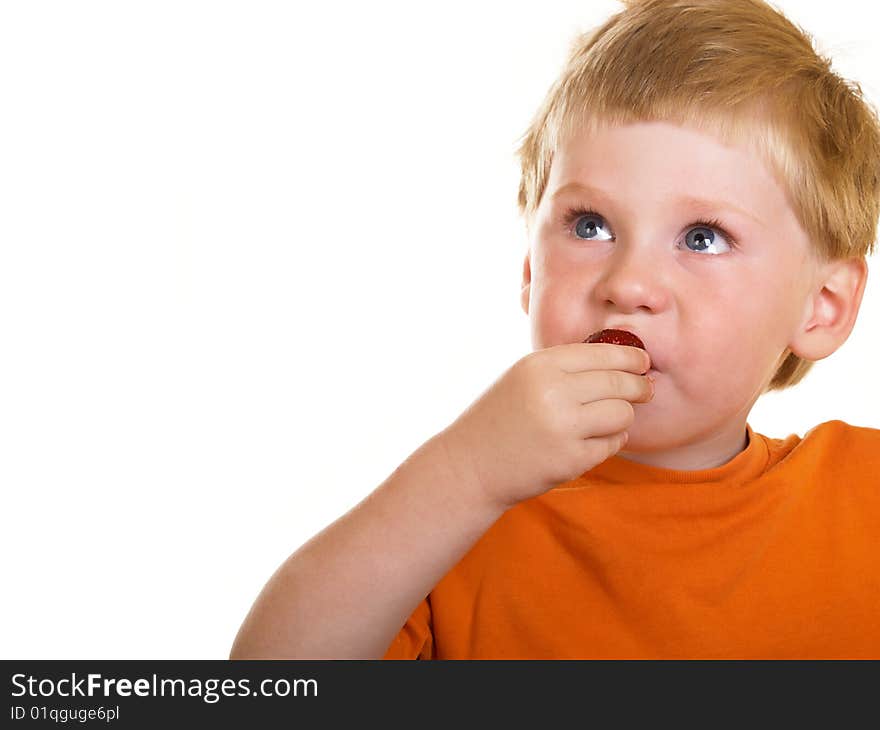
(600, 448)
(603, 418)
(581, 356)
(594, 385)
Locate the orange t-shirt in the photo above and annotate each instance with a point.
(773, 555)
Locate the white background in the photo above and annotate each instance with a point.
(252, 255)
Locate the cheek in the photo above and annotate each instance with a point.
(728, 356)
(558, 308)
(559, 301)
(551, 318)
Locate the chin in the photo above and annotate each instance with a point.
(644, 438)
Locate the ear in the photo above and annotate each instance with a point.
(830, 312)
(526, 284)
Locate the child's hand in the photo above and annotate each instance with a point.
(553, 415)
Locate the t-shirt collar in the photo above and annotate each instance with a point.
(746, 465)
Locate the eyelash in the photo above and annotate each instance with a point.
(572, 215)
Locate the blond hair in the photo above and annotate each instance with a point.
(741, 71)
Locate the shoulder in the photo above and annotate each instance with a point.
(845, 448)
(843, 434)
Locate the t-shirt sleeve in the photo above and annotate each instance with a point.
(415, 640)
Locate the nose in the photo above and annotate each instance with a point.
(632, 279)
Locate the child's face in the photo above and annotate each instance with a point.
(715, 316)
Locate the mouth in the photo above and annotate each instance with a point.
(621, 336)
(616, 336)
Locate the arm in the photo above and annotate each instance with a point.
(347, 592)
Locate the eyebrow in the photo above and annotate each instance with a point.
(693, 201)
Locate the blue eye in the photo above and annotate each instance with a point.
(700, 235)
(700, 239)
(589, 220)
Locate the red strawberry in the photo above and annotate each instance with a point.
(616, 337)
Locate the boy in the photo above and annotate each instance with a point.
(698, 177)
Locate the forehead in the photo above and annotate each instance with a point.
(661, 163)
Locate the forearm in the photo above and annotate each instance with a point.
(346, 593)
